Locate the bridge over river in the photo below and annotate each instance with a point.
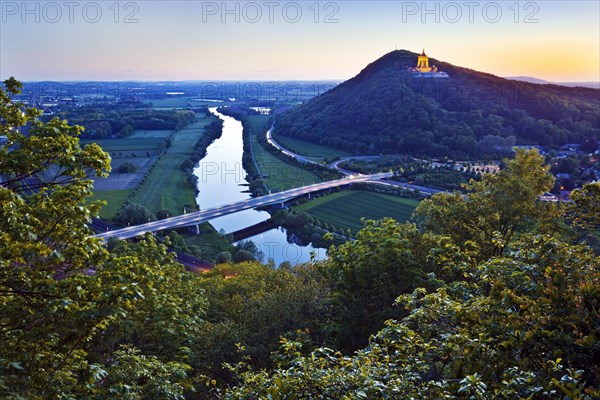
(198, 217)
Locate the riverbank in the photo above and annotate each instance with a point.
(223, 179)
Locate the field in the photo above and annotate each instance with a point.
(114, 200)
(123, 147)
(278, 174)
(346, 208)
(175, 102)
(142, 134)
(171, 102)
(166, 187)
(142, 149)
(309, 149)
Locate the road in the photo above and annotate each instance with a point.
(298, 157)
(424, 190)
(335, 165)
(206, 215)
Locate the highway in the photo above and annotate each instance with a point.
(206, 215)
(298, 157)
(335, 165)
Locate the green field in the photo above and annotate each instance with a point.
(114, 201)
(346, 208)
(171, 102)
(309, 149)
(278, 174)
(175, 102)
(128, 144)
(166, 187)
(143, 134)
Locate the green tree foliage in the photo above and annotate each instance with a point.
(127, 168)
(495, 209)
(516, 316)
(365, 278)
(163, 214)
(75, 320)
(586, 207)
(584, 211)
(252, 306)
(521, 326)
(134, 214)
(492, 301)
(121, 119)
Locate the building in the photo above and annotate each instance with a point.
(423, 70)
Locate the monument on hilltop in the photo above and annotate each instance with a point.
(423, 70)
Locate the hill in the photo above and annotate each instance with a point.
(385, 109)
(594, 85)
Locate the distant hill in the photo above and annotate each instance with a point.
(385, 109)
(594, 85)
(528, 79)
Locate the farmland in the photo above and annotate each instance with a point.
(140, 151)
(171, 102)
(114, 201)
(310, 149)
(177, 102)
(346, 208)
(159, 183)
(167, 187)
(278, 175)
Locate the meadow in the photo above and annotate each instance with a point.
(313, 150)
(158, 183)
(141, 149)
(114, 201)
(346, 208)
(278, 174)
(167, 187)
(139, 146)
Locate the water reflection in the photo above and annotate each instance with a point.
(221, 180)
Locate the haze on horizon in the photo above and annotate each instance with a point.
(285, 40)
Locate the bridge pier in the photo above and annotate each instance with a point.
(278, 206)
(194, 229)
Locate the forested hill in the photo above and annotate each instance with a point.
(386, 109)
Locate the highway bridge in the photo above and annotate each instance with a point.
(206, 215)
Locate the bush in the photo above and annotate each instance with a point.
(126, 168)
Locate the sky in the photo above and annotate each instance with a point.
(292, 40)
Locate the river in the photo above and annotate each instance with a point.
(222, 180)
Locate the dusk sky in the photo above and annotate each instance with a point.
(281, 40)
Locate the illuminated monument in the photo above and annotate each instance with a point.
(423, 70)
(423, 63)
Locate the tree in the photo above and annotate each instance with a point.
(520, 326)
(243, 255)
(163, 214)
(224, 257)
(66, 303)
(252, 306)
(493, 210)
(586, 207)
(584, 212)
(365, 277)
(134, 214)
(127, 168)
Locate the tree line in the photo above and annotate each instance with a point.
(113, 120)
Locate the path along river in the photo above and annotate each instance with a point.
(222, 180)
